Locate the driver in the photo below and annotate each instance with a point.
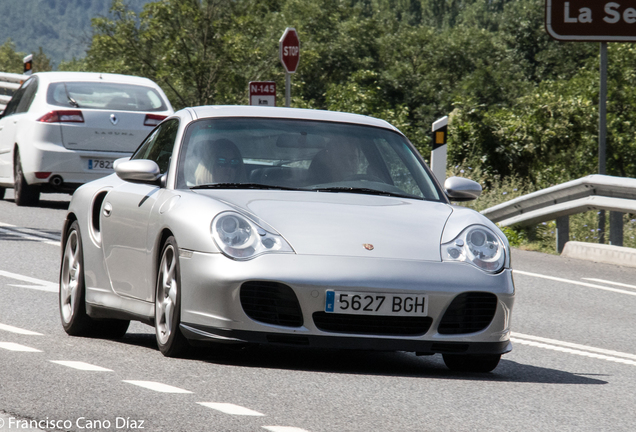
(221, 162)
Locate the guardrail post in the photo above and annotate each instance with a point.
(616, 228)
(562, 232)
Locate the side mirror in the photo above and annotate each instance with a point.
(138, 171)
(461, 189)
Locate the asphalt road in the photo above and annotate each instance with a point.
(573, 366)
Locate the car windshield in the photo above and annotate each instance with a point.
(104, 95)
(242, 153)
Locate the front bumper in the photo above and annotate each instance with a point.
(211, 300)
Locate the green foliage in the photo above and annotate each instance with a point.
(11, 60)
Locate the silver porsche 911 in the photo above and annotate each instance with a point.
(283, 226)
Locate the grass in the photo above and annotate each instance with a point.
(541, 237)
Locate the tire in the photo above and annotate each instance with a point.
(72, 288)
(2, 191)
(25, 195)
(72, 297)
(472, 363)
(170, 340)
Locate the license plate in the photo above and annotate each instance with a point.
(359, 303)
(100, 164)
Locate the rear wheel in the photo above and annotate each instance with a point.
(2, 191)
(472, 363)
(72, 298)
(25, 194)
(170, 340)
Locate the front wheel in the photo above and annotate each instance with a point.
(472, 362)
(72, 297)
(72, 289)
(25, 194)
(170, 340)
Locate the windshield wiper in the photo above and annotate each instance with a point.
(243, 186)
(365, 191)
(72, 101)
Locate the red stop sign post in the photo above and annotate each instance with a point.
(289, 51)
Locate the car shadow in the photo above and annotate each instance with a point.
(355, 362)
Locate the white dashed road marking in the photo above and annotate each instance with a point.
(573, 282)
(30, 234)
(17, 330)
(36, 284)
(81, 366)
(17, 347)
(571, 348)
(158, 387)
(283, 429)
(229, 408)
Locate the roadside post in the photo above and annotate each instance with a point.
(289, 52)
(262, 93)
(440, 149)
(599, 21)
(28, 64)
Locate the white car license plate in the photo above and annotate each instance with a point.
(361, 303)
(100, 164)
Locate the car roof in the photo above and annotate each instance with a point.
(287, 113)
(93, 77)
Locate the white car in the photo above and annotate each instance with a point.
(63, 129)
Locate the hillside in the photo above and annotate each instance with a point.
(61, 27)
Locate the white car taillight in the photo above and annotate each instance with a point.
(68, 116)
(153, 119)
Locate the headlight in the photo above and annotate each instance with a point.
(240, 238)
(479, 246)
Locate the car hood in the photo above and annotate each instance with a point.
(345, 224)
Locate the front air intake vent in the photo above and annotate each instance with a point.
(469, 313)
(271, 303)
(372, 324)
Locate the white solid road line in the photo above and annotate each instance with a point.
(17, 330)
(229, 408)
(610, 282)
(283, 429)
(573, 282)
(158, 387)
(29, 234)
(17, 347)
(81, 366)
(37, 284)
(571, 348)
(575, 346)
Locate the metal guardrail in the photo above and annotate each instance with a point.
(9, 83)
(594, 192)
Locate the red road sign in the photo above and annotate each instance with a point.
(263, 93)
(591, 20)
(289, 49)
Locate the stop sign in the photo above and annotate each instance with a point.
(289, 47)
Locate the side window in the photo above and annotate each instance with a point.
(159, 145)
(31, 87)
(12, 106)
(398, 168)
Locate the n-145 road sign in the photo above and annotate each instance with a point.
(263, 93)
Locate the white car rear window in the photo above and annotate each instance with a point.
(109, 96)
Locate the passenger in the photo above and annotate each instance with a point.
(221, 162)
